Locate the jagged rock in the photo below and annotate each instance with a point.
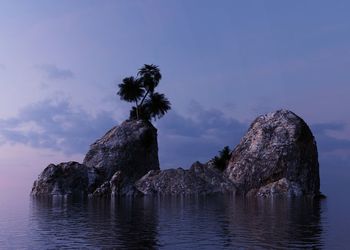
(116, 182)
(69, 178)
(282, 187)
(131, 148)
(199, 179)
(103, 190)
(119, 185)
(278, 155)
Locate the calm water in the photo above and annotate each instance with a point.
(216, 222)
(174, 223)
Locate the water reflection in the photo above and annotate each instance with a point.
(229, 222)
(276, 223)
(214, 222)
(127, 223)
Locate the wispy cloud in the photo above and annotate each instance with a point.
(59, 126)
(55, 125)
(182, 139)
(328, 144)
(56, 73)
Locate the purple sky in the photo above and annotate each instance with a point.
(223, 63)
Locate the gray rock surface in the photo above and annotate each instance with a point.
(131, 148)
(68, 178)
(278, 155)
(199, 179)
(282, 187)
(119, 185)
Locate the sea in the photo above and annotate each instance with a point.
(195, 222)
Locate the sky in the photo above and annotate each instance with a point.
(223, 63)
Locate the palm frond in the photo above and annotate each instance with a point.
(157, 105)
(130, 89)
(149, 76)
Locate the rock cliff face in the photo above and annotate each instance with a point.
(62, 179)
(131, 148)
(278, 155)
(111, 166)
(199, 179)
(119, 185)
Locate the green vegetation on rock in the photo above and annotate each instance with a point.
(221, 161)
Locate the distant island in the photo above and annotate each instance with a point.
(276, 157)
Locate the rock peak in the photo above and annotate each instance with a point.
(130, 147)
(281, 115)
(277, 145)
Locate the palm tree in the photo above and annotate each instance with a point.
(152, 104)
(140, 113)
(157, 105)
(130, 90)
(149, 76)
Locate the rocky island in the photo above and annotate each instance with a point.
(276, 157)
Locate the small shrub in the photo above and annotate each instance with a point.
(221, 161)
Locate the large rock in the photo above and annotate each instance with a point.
(277, 156)
(131, 148)
(199, 179)
(68, 178)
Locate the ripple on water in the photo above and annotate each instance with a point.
(214, 222)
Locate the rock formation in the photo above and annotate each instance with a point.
(62, 179)
(199, 179)
(131, 148)
(111, 166)
(278, 155)
(119, 185)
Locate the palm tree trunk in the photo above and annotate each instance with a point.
(144, 97)
(137, 110)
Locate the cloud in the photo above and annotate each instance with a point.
(328, 144)
(58, 125)
(55, 73)
(55, 125)
(333, 154)
(183, 140)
